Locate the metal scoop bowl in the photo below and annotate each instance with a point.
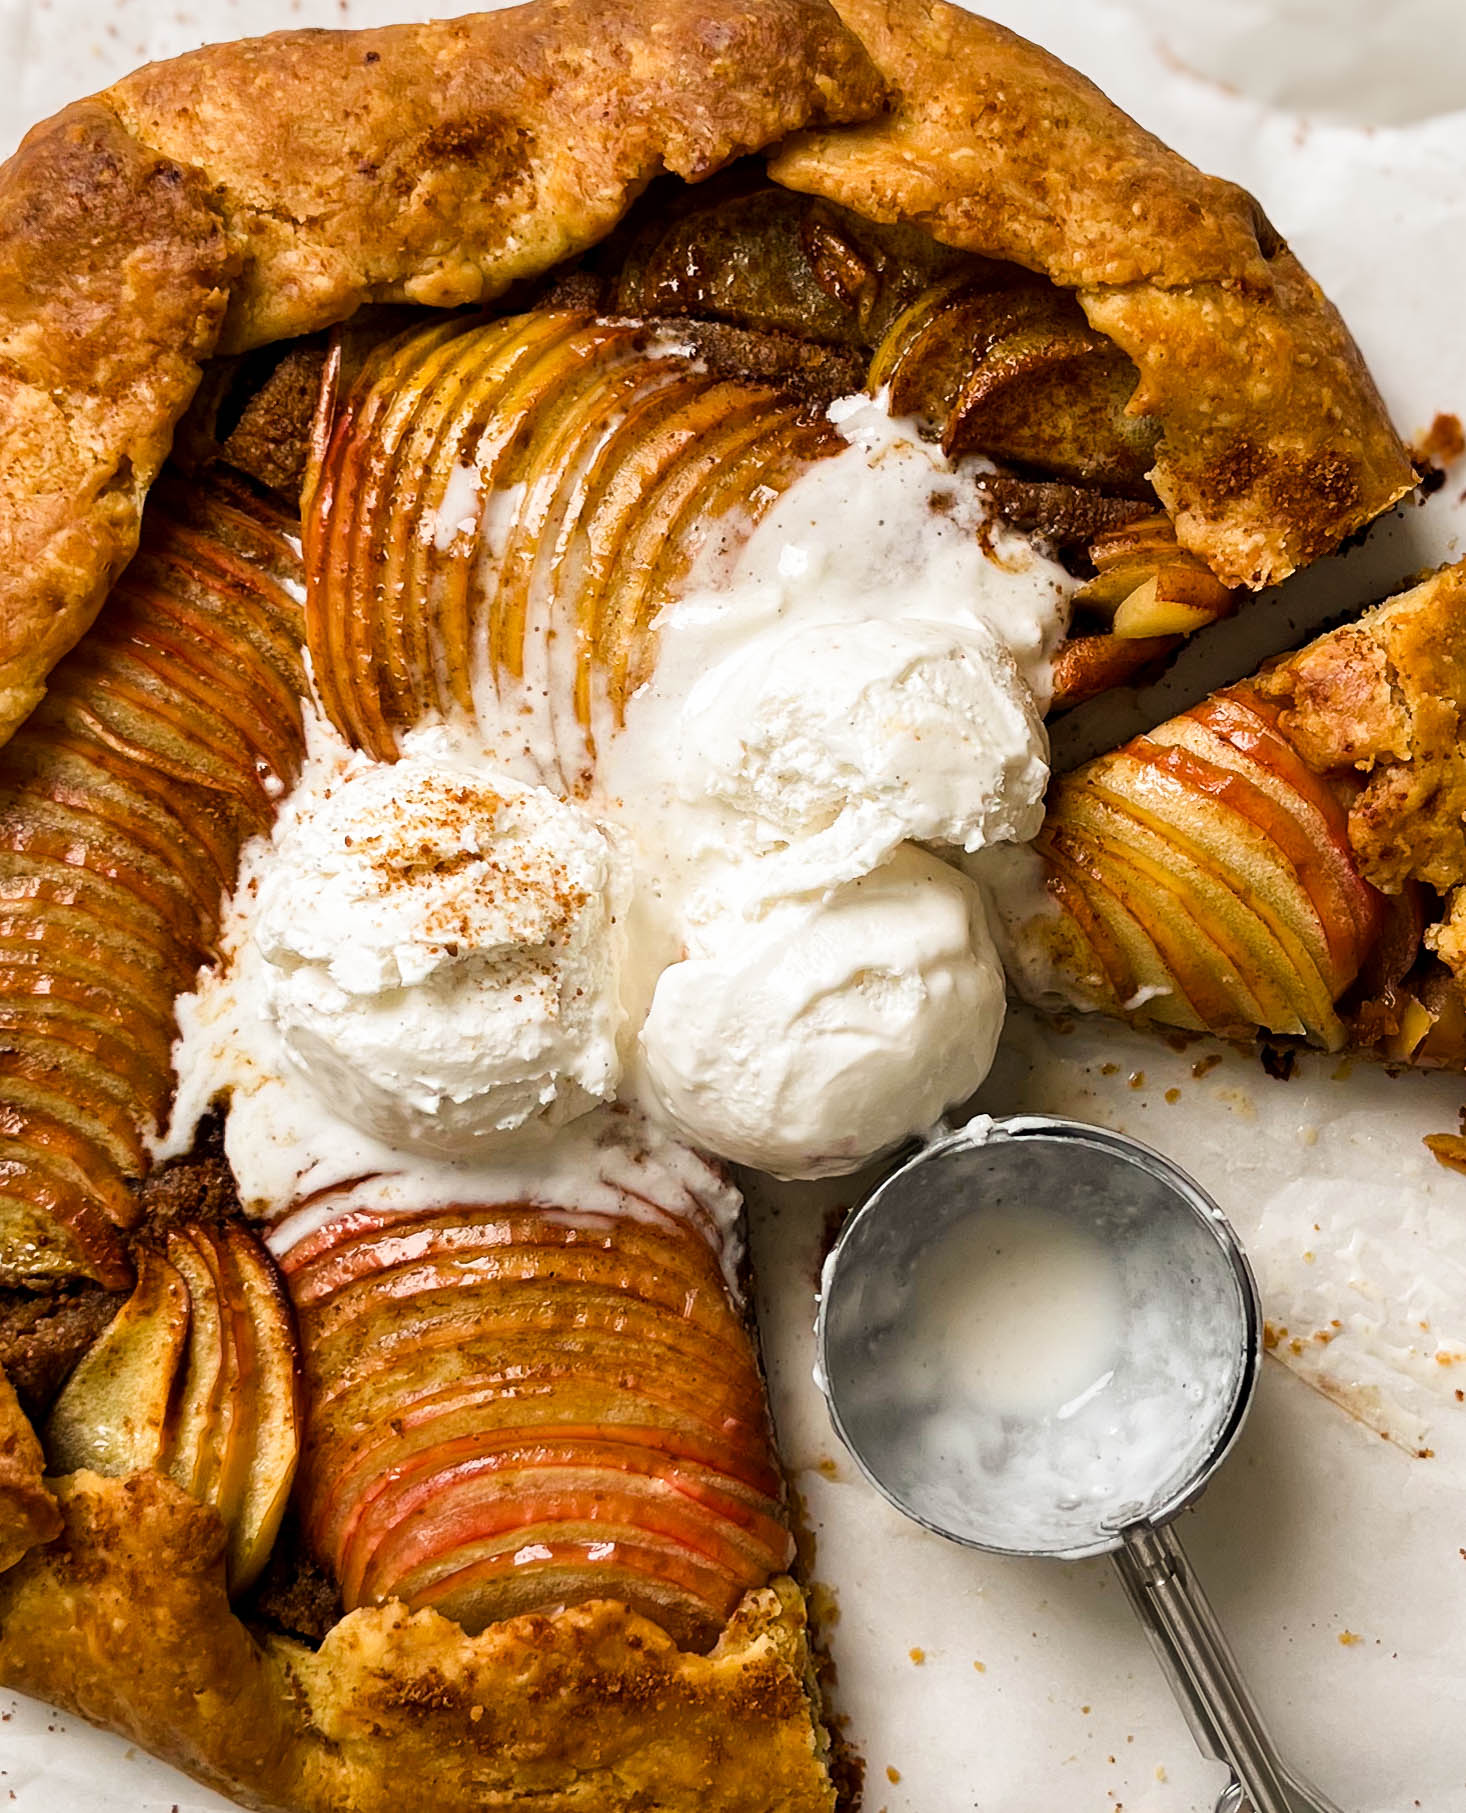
(1165, 1234)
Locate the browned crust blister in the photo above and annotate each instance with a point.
(1275, 444)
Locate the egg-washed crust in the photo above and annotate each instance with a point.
(1275, 442)
(28, 1511)
(252, 192)
(114, 273)
(124, 1620)
(1385, 696)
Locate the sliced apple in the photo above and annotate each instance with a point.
(1232, 855)
(1144, 612)
(113, 1413)
(123, 803)
(485, 1383)
(773, 260)
(1280, 978)
(272, 1392)
(1008, 366)
(570, 430)
(195, 1377)
(194, 1438)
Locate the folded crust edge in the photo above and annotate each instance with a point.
(1275, 443)
(587, 1710)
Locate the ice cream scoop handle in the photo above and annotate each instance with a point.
(1223, 1716)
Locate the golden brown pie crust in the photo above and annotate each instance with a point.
(295, 177)
(1275, 444)
(125, 1621)
(1386, 696)
(28, 1512)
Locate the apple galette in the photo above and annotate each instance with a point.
(599, 617)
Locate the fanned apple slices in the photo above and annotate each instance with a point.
(195, 1378)
(489, 497)
(124, 800)
(1273, 857)
(512, 1408)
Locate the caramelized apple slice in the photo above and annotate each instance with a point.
(550, 442)
(199, 1426)
(1233, 854)
(1011, 368)
(113, 1414)
(776, 261)
(123, 803)
(272, 1391)
(488, 1383)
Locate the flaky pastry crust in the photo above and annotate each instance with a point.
(114, 272)
(28, 1512)
(254, 191)
(124, 1620)
(1385, 696)
(1275, 442)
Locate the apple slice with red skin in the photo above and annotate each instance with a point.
(505, 1241)
(552, 1266)
(658, 1578)
(449, 1320)
(1195, 952)
(451, 1428)
(648, 1392)
(1089, 951)
(123, 801)
(566, 1454)
(487, 1497)
(1257, 960)
(487, 1381)
(1260, 902)
(693, 1608)
(1194, 810)
(1347, 907)
(113, 1413)
(1151, 986)
(1306, 851)
(1251, 725)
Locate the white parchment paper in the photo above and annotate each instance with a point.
(1334, 1543)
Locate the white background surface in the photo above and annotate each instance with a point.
(1336, 1556)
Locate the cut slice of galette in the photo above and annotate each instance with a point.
(1287, 856)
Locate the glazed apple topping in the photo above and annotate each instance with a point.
(1201, 876)
(511, 1407)
(124, 800)
(196, 1378)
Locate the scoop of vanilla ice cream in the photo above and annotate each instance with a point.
(805, 1042)
(442, 952)
(888, 729)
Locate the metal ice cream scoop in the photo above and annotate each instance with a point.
(1041, 1338)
